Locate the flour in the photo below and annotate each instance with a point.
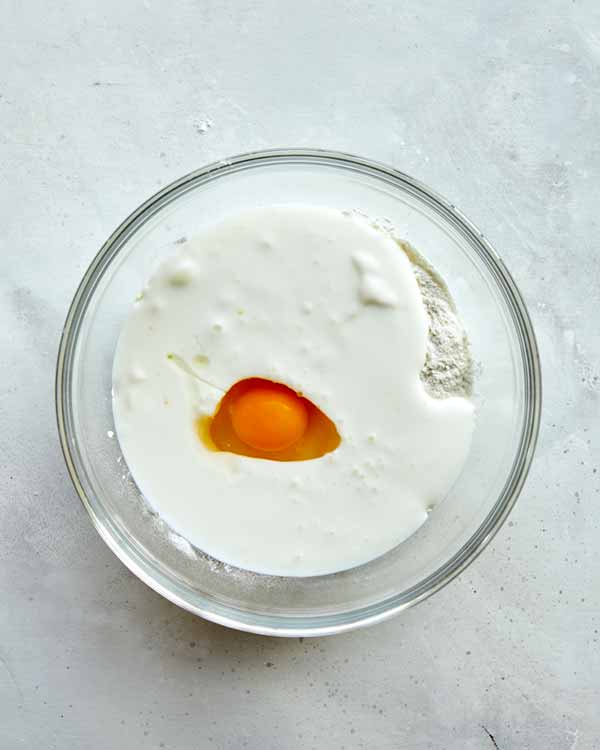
(203, 126)
(448, 368)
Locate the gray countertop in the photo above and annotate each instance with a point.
(493, 104)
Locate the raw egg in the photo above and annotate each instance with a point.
(264, 419)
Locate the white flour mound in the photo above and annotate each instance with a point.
(448, 368)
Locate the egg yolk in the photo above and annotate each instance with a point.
(268, 418)
(264, 419)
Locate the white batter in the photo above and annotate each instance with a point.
(324, 303)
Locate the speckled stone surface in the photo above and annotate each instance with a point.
(494, 104)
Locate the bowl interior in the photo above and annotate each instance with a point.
(506, 395)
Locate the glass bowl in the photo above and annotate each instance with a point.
(507, 395)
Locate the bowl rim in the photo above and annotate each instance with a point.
(315, 625)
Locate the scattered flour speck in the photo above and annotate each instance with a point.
(203, 126)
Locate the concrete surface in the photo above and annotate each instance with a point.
(496, 105)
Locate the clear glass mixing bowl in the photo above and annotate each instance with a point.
(508, 394)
